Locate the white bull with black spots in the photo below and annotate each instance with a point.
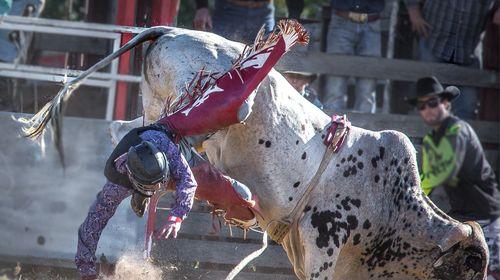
(366, 217)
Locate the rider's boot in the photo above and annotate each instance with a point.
(226, 194)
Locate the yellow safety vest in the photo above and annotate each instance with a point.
(438, 161)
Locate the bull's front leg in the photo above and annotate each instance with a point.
(332, 234)
(321, 250)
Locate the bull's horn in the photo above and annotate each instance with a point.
(455, 235)
(439, 261)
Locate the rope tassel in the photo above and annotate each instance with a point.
(290, 30)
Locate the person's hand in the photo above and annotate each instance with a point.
(202, 20)
(418, 23)
(496, 17)
(171, 228)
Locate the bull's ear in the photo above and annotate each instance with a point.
(454, 236)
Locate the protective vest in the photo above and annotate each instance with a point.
(438, 160)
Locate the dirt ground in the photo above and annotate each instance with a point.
(10, 271)
(127, 267)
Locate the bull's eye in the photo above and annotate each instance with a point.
(474, 262)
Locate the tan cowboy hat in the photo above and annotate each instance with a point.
(311, 77)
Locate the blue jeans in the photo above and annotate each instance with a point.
(239, 23)
(465, 106)
(8, 50)
(351, 38)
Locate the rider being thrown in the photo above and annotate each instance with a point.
(159, 155)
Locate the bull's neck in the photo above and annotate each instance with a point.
(287, 132)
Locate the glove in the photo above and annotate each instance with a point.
(170, 228)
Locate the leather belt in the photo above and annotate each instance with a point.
(357, 17)
(250, 4)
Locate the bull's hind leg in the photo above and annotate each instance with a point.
(153, 102)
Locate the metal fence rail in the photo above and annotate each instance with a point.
(313, 62)
(71, 28)
(385, 68)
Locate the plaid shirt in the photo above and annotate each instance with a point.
(456, 27)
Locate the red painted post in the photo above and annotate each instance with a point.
(125, 16)
(150, 222)
(164, 12)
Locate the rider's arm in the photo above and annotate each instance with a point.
(100, 212)
(179, 170)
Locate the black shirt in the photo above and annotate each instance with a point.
(474, 191)
(204, 3)
(359, 6)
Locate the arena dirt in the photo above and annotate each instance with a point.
(129, 266)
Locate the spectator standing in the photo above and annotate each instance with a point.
(14, 45)
(5, 6)
(295, 8)
(237, 20)
(9, 42)
(354, 30)
(301, 82)
(454, 160)
(450, 32)
(491, 61)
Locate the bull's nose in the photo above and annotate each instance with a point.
(474, 262)
(456, 235)
(467, 259)
(461, 263)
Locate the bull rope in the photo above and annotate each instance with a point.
(283, 227)
(248, 258)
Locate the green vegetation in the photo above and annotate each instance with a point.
(64, 9)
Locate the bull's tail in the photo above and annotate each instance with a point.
(53, 111)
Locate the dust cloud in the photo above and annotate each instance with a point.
(132, 266)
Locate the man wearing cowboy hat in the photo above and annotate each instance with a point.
(453, 161)
(301, 81)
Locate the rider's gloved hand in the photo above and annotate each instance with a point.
(171, 227)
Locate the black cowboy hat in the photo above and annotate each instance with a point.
(309, 76)
(430, 86)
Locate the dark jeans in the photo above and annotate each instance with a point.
(8, 49)
(352, 38)
(239, 23)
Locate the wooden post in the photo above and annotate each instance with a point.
(326, 14)
(386, 106)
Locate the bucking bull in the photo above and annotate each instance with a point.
(365, 217)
